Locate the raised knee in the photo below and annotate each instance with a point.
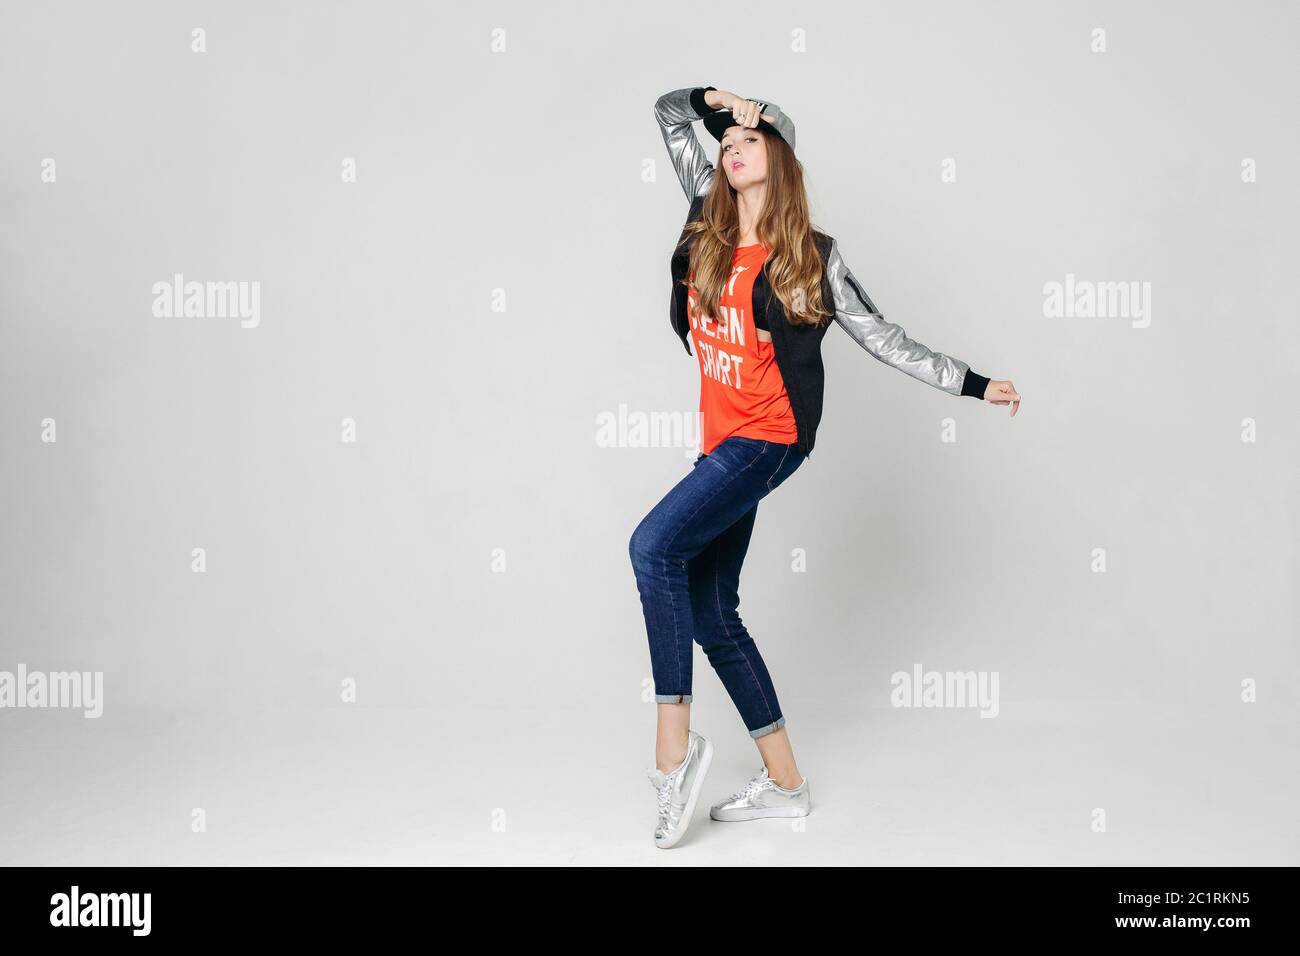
(642, 547)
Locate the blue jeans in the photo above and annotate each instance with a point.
(686, 554)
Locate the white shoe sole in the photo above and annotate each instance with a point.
(736, 816)
(691, 800)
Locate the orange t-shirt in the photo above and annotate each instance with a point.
(741, 389)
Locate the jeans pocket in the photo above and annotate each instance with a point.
(738, 453)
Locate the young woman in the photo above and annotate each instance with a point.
(755, 287)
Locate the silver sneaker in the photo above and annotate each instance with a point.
(679, 790)
(761, 797)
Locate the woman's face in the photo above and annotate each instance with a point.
(744, 156)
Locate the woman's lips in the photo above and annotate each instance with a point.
(735, 166)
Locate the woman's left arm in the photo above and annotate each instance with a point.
(889, 342)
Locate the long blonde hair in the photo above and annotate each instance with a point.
(794, 267)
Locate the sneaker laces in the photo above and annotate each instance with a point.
(759, 782)
(663, 791)
(665, 798)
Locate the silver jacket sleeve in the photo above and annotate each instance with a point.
(676, 111)
(886, 341)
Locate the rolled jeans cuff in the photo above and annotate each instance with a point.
(768, 728)
(672, 698)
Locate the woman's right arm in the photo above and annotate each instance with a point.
(676, 111)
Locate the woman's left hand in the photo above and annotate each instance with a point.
(1003, 392)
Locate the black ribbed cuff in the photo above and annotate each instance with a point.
(697, 100)
(974, 384)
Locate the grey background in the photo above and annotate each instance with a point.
(519, 696)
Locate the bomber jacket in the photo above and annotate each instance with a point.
(797, 348)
